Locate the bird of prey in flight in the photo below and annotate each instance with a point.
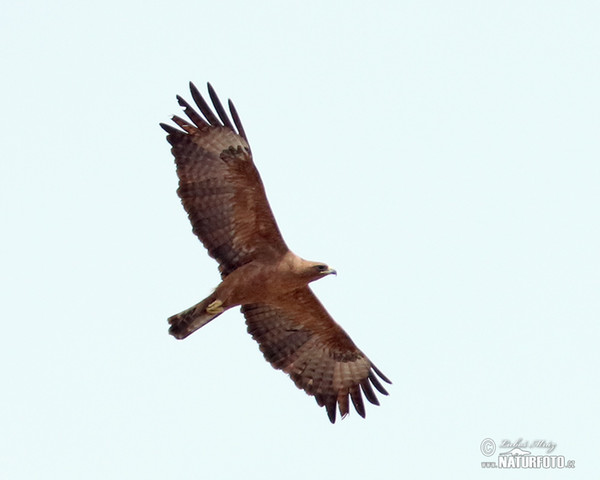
(224, 197)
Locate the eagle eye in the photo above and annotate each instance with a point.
(321, 268)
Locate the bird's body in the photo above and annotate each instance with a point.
(223, 194)
(265, 281)
(258, 281)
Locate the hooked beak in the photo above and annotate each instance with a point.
(330, 271)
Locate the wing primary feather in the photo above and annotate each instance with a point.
(219, 108)
(191, 113)
(169, 129)
(330, 406)
(343, 404)
(180, 121)
(203, 106)
(237, 121)
(381, 375)
(376, 383)
(368, 391)
(357, 400)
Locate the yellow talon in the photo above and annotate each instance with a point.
(215, 307)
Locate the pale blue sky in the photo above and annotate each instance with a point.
(442, 156)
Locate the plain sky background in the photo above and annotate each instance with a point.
(442, 156)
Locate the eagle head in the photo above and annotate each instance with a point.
(316, 270)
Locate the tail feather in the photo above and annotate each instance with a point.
(187, 322)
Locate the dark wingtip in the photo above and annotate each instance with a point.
(203, 106)
(365, 385)
(219, 107)
(168, 128)
(377, 384)
(357, 401)
(330, 411)
(236, 120)
(192, 86)
(211, 90)
(343, 405)
(381, 375)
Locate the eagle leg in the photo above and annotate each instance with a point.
(215, 307)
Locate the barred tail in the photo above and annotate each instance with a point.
(187, 322)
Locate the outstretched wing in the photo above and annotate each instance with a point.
(220, 187)
(299, 337)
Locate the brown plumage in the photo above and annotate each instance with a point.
(222, 192)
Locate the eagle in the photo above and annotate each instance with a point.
(224, 197)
